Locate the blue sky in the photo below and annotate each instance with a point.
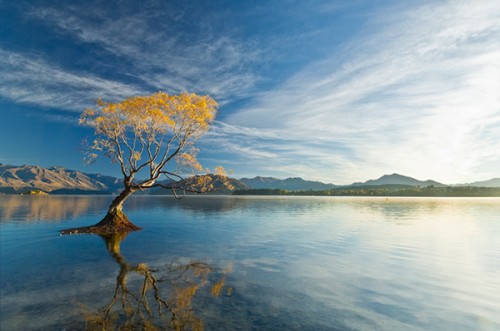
(337, 91)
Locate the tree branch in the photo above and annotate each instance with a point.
(119, 155)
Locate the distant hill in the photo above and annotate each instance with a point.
(396, 179)
(291, 184)
(494, 182)
(58, 180)
(112, 183)
(219, 186)
(18, 179)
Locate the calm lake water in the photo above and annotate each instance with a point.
(253, 263)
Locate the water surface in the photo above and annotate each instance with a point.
(295, 263)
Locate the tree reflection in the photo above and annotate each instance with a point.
(143, 306)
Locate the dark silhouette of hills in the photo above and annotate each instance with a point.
(218, 185)
(396, 179)
(58, 180)
(291, 184)
(494, 182)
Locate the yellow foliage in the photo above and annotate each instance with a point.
(184, 114)
(150, 129)
(187, 161)
(217, 288)
(142, 267)
(220, 171)
(183, 296)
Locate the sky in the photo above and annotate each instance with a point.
(335, 91)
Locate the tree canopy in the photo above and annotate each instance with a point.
(147, 132)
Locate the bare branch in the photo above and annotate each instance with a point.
(185, 188)
(119, 155)
(151, 131)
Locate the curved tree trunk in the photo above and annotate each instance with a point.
(117, 204)
(115, 220)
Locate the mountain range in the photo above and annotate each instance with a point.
(396, 179)
(58, 180)
(219, 185)
(17, 179)
(494, 182)
(291, 184)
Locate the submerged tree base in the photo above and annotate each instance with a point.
(112, 223)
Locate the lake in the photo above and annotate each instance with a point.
(253, 263)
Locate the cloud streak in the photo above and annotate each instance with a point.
(28, 79)
(197, 59)
(151, 46)
(420, 96)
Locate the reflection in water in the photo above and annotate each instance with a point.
(397, 209)
(142, 305)
(407, 210)
(49, 208)
(56, 208)
(315, 263)
(401, 210)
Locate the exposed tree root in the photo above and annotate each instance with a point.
(112, 223)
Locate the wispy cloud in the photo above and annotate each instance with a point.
(419, 94)
(416, 91)
(273, 152)
(28, 79)
(162, 55)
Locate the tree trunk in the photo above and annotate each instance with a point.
(117, 204)
(115, 220)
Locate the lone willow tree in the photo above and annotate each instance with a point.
(150, 138)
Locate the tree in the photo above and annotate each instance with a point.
(163, 300)
(150, 137)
